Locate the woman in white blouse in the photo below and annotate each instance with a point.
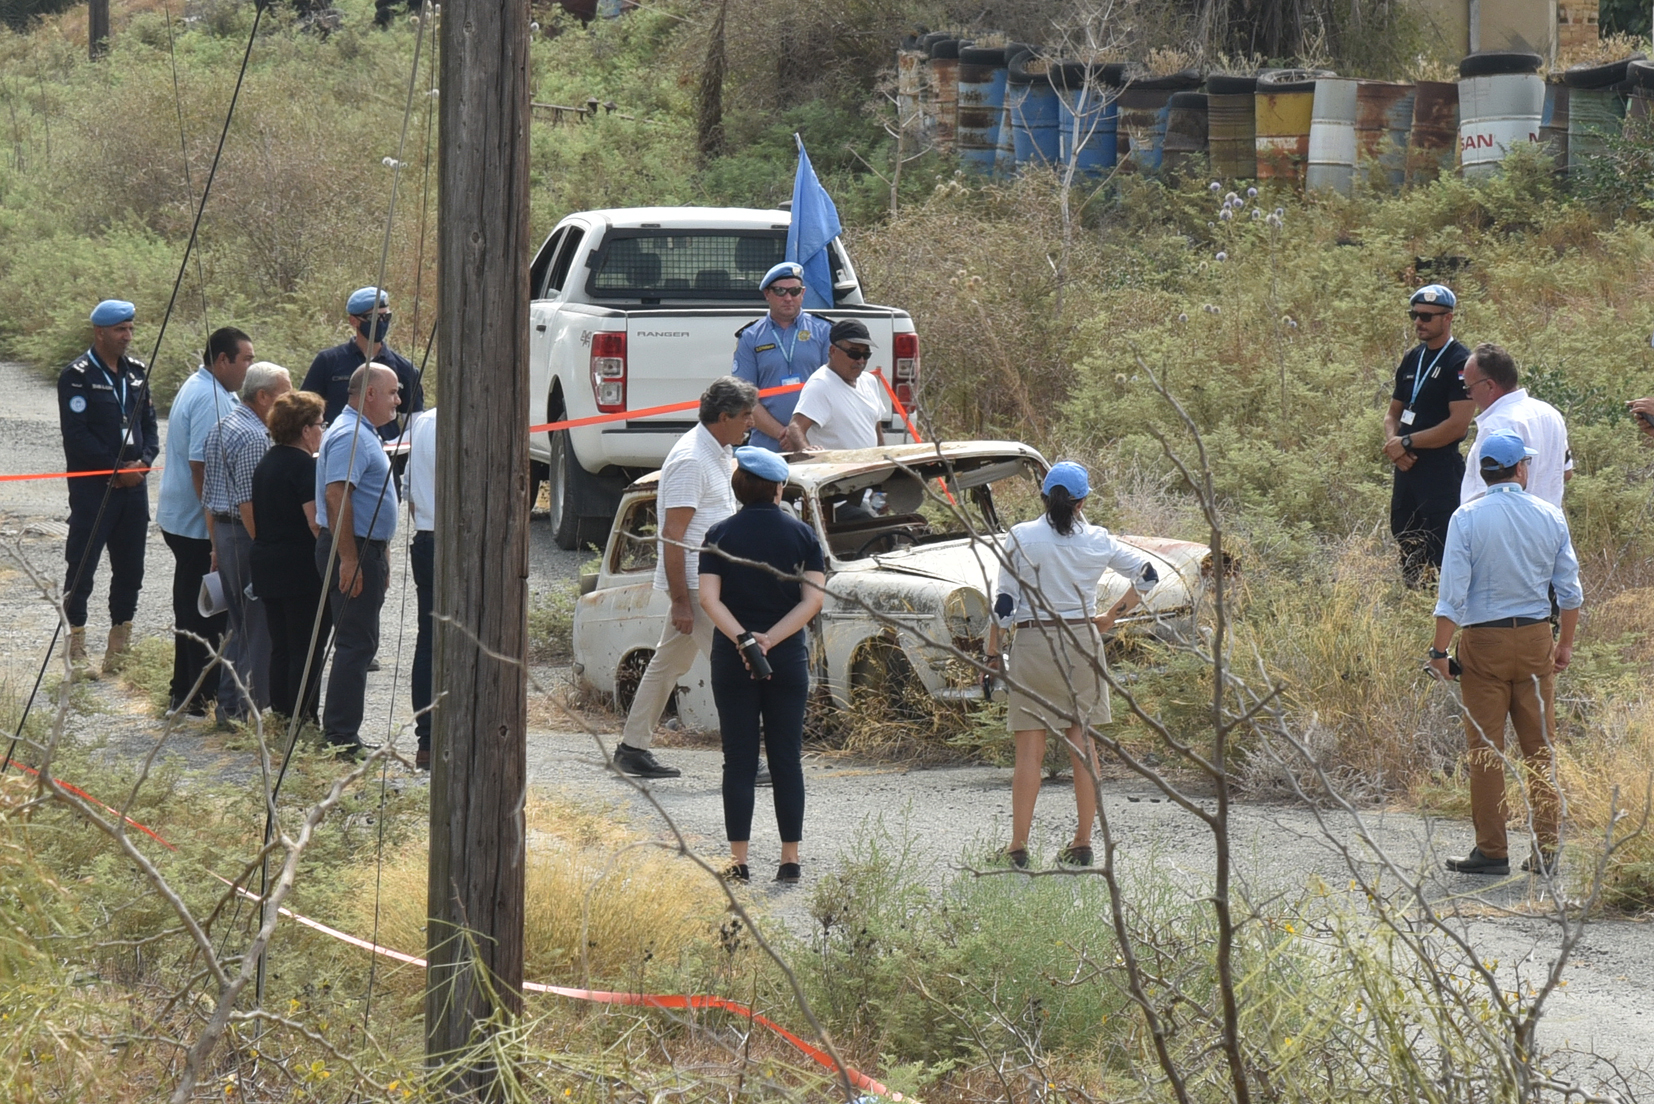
(1047, 592)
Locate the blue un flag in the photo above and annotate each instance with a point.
(815, 224)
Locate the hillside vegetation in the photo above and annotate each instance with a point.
(1044, 317)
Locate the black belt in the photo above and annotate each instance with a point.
(359, 540)
(1509, 623)
(229, 519)
(1061, 621)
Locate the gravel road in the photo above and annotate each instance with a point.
(946, 813)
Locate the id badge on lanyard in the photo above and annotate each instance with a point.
(117, 389)
(1424, 373)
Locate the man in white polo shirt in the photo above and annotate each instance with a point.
(694, 495)
(1490, 379)
(840, 404)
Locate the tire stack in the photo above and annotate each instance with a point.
(1597, 97)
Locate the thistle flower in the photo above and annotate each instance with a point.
(1215, 186)
(1251, 193)
(1222, 256)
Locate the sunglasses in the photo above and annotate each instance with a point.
(864, 354)
(1425, 316)
(787, 292)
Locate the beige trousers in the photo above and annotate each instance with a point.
(674, 655)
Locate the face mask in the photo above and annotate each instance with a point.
(379, 331)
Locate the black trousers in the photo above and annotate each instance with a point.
(123, 530)
(291, 621)
(422, 558)
(191, 559)
(772, 711)
(355, 637)
(1422, 500)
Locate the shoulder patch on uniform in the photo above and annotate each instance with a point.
(137, 365)
(748, 326)
(78, 404)
(80, 365)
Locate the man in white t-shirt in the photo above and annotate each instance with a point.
(840, 404)
(1490, 379)
(694, 494)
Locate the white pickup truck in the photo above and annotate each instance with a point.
(638, 307)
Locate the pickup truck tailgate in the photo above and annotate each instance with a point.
(672, 355)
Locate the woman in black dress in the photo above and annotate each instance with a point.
(284, 552)
(772, 603)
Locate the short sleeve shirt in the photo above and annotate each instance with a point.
(696, 474)
(233, 449)
(1443, 383)
(768, 356)
(846, 416)
(767, 534)
(372, 490)
(200, 404)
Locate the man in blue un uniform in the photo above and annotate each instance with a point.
(330, 372)
(783, 347)
(108, 425)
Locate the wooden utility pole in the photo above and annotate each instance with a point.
(479, 757)
(97, 28)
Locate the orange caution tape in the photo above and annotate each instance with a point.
(900, 409)
(71, 475)
(597, 996)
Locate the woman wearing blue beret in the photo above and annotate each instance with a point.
(761, 577)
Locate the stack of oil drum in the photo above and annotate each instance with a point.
(1009, 108)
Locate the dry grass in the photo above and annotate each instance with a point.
(605, 906)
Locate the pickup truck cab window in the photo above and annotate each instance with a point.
(698, 264)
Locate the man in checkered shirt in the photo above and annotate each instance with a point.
(234, 447)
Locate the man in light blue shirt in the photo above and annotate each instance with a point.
(355, 497)
(784, 347)
(1505, 552)
(201, 403)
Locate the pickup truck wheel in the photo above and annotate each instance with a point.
(565, 513)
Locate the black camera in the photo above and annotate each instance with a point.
(1454, 667)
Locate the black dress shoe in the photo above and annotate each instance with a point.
(789, 873)
(641, 763)
(1542, 862)
(1478, 863)
(735, 872)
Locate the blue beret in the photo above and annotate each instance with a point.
(112, 312)
(361, 300)
(1435, 295)
(785, 268)
(1070, 477)
(1505, 449)
(762, 462)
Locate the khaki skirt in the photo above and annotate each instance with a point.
(1062, 665)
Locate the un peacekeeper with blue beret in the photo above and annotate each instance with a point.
(783, 347)
(330, 372)
(108, 424)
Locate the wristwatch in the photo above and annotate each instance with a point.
(1407, 441)
(1436, 653)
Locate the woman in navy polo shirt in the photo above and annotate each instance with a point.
(773, 602)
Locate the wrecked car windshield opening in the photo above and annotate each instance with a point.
(887, 509)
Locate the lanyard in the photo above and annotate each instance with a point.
(1418, 380)
(787, 351)
(94, 355)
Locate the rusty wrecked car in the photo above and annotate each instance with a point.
(911, 536)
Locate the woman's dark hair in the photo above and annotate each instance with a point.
(750, 488)
(1059, 509)
(292, 412)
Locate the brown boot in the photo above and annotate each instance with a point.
(78, 667)
(115, 654)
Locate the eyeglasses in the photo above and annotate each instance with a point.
(1471, 385)
(788, 291)
(315, 425)
(863, 354)
(1425, 316)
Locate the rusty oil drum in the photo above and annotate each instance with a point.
(1284, 105)
(1433, 143)
(944, 83)
(1383, 119)
(1231, 125)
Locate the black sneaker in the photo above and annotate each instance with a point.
(641, 763)
(1542, 862)
(373, 665)
(1478, 863)
(789, 873)
(763, 777)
